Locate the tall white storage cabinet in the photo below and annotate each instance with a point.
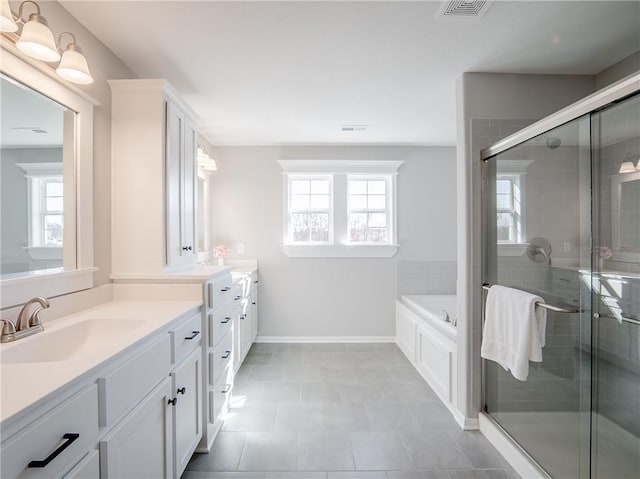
(153, 154)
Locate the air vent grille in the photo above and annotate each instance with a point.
(465, 8)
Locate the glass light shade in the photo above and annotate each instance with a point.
(7, 23)
(73, 66)
(36, 40)
(627, 167)
(638, 164)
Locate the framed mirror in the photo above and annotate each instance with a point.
(625, 205)
(46, 179)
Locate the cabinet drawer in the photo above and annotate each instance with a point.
(219, 291)
(186, 338)
(88, 468)
(220, 358)
(219, 397)
(121, 390)
(39, 441)
(220, 323)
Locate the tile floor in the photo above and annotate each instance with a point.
(341, 411)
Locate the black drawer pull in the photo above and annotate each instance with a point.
(226, 354)
(227, 388)
(193, 335)
(182, 390)
(224, 290)
(173, 401)
(69, 438)
(255, 282)
(243, 316)
(226, 320)
(254, 303)
(237, 298)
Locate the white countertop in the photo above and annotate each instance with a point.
(27, 384)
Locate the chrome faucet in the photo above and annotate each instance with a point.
(26, 324)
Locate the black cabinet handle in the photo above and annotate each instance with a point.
(227, 388)
(225, 289)
(254, 303)
(226, 354)
(173, 401)
(69, 438)
(182, 390)
(187, 248)
(193, 335)
(256, 282)
(226, 320)
(242, 316)
(237, 298)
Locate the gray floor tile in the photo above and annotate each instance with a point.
(320, 392)
(479, 474)
(324, 451)
(357, 475)
(281, 392)
(257, 358)
(302, 374)
(478, 450)
(390, 416)
(245, 393)
(345, 417)
(256, 418)
(297, 475)
(370, 374)
(432, 416)
(358, 392)
(434, 450)
(237, 475)
(374, 450)
(269, 451)
(417, 475)
(331, 347)
(194, 475)
(299, 417)
(266, 373)
(224, 455)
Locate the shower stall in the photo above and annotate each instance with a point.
(561, 207)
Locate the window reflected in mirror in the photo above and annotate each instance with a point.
(36, 180)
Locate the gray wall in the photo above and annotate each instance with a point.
(623, 68)
(334, 297)
(13, 207)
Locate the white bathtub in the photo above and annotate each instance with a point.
(433, 309)
(429, 342)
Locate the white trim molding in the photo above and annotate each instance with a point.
(340, 250)
(368, 167)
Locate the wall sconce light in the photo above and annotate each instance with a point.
(630, 165)
(36, 40)
(205, 161)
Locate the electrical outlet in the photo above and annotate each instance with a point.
(566, 247)
(240, 248)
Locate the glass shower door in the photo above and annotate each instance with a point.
(538, 207)
(616, 292)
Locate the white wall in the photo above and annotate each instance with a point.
(330, 297)
(522, 99)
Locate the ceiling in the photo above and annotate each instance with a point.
(29, 119)
(294, 72)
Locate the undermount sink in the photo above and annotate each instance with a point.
(64, 343)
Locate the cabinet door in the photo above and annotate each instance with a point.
(237, 339)
(174, 158)
(187, 387)
(245, 326)
(188, 211)
(140, 446)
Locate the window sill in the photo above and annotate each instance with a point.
(339, 251)
(512, 249)
(44, 252)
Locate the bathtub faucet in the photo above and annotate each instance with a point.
(446, 318)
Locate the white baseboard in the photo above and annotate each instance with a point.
(325, 339)
(512, 453)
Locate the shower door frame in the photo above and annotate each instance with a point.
(616, 92)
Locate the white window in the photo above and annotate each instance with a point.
(47, 211)
(310, 210)
(509, 208)
(335, 208)
(369, 208)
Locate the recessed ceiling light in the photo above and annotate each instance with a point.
(354, 127)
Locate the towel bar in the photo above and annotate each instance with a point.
(550, 307)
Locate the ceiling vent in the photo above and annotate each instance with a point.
(465, 8)
(354, 127)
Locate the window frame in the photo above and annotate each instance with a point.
(516, 181)
(339, 172)
(288, 234)
(387, 210)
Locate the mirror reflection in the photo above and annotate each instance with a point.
(36, 175)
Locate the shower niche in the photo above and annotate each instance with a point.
(561, 219)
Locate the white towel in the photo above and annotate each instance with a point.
(514, 330)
